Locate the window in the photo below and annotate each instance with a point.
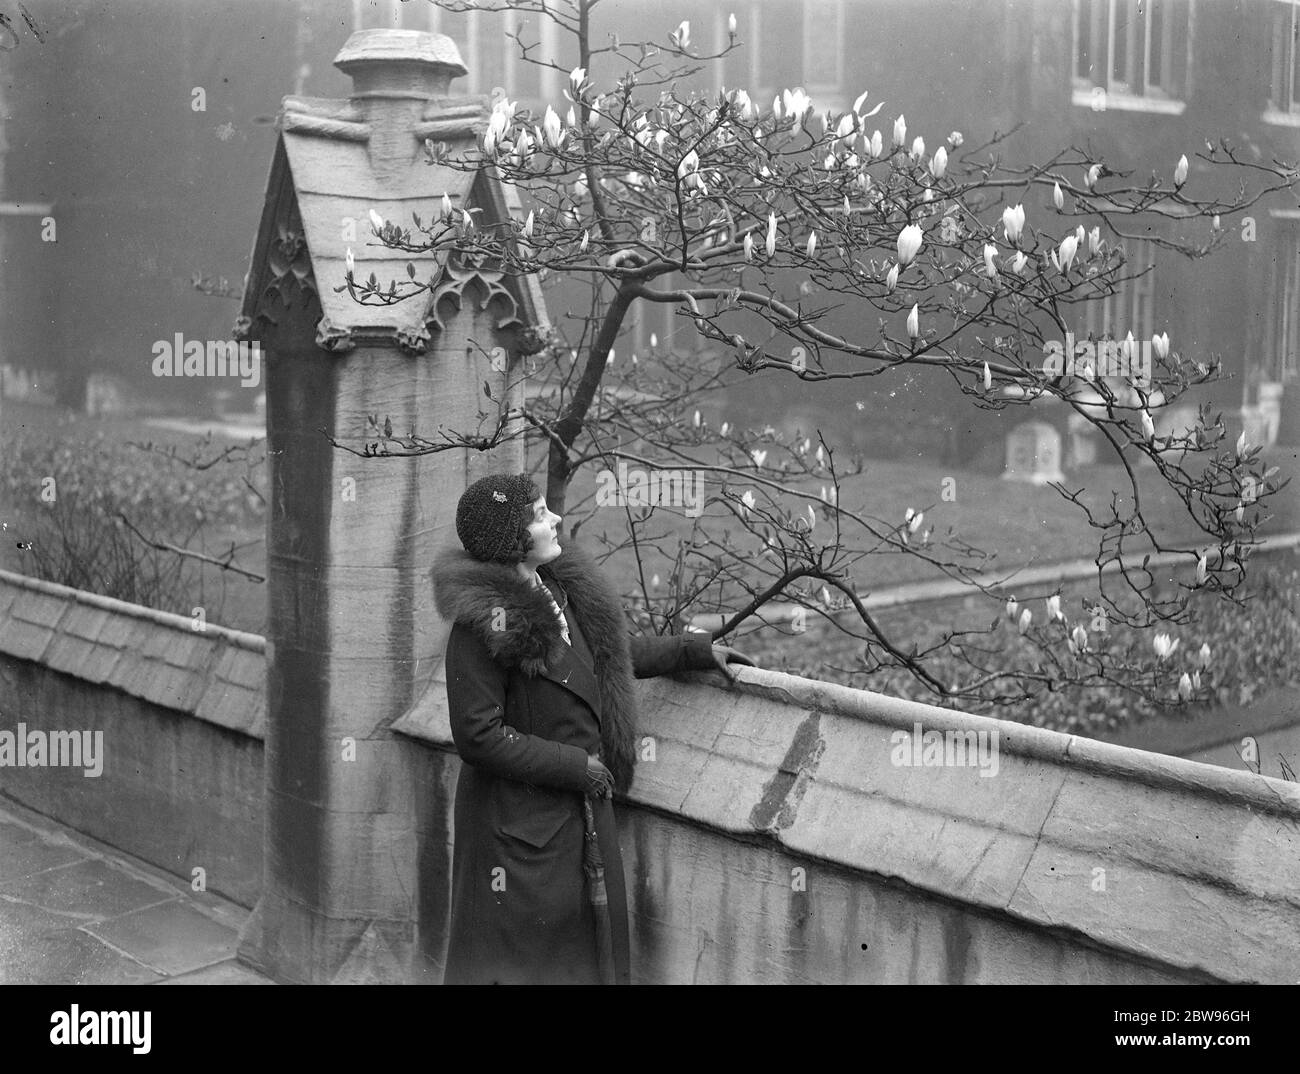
(823, 52)
(1132, 307)
(1284, 81)
(1133, 54)
(1281, 358)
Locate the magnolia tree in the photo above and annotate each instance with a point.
(754, 222)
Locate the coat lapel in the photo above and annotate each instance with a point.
(567, 668)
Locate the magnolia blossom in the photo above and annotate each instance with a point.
(811, 248)
(551, 128)
(1018, 262)
(1026, 617)
(988, 377)
(1011, 609)
(759, 455)
(1069, 245)
(446, 205)
(1054, 607)
(1148, 426)
(909, 243)
(528, 225)
(914, 322)
(726, 428)
(877, 143)
(955, 139)
(731, 23)
(1242, 445)
(1058, 199)
(1185, 686)
(376, 220)
(681, 37)
(749, 247)
(696, 420)
(1202, 569)
(939, 164)
(689, 163)
(1180, 172)
(1203, 655)
(586, 238)
(1164, 645)
(748, 501)
(900, 130)
(915, 523)
(576, 78)
(1160, 344)
(771, 234)
(846, 126)
(797, 105)
(740, 99)
(990, 269)
(918, 147)
(1013, 222)
(891, 279)
(1094, 241)
(1080, 638)
(351, 261)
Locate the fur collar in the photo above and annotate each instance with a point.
(467, 590)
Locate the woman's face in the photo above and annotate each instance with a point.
(542, 529)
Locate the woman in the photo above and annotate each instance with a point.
(539, 669)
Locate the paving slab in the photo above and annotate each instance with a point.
(21, 860)
(41, 947)
(229, 972)
(171, 937)
(90, 889)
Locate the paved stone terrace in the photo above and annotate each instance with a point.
(75, 911)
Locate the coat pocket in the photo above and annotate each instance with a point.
(537, 831)
(535, 816)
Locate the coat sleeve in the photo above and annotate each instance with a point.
(476, 700)
(664, 654)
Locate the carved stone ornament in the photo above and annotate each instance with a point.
(414, 340)
(289, 263)
(333, 337)
(465, 274)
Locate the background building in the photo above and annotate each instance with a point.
(141, 129)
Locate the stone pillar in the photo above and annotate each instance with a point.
(353, 637)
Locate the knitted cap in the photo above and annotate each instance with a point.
(492, 512)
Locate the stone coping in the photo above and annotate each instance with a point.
(217, 675)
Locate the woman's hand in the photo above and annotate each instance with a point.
(600, 780)
(725, 654)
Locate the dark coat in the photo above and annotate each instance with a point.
(526, 711)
